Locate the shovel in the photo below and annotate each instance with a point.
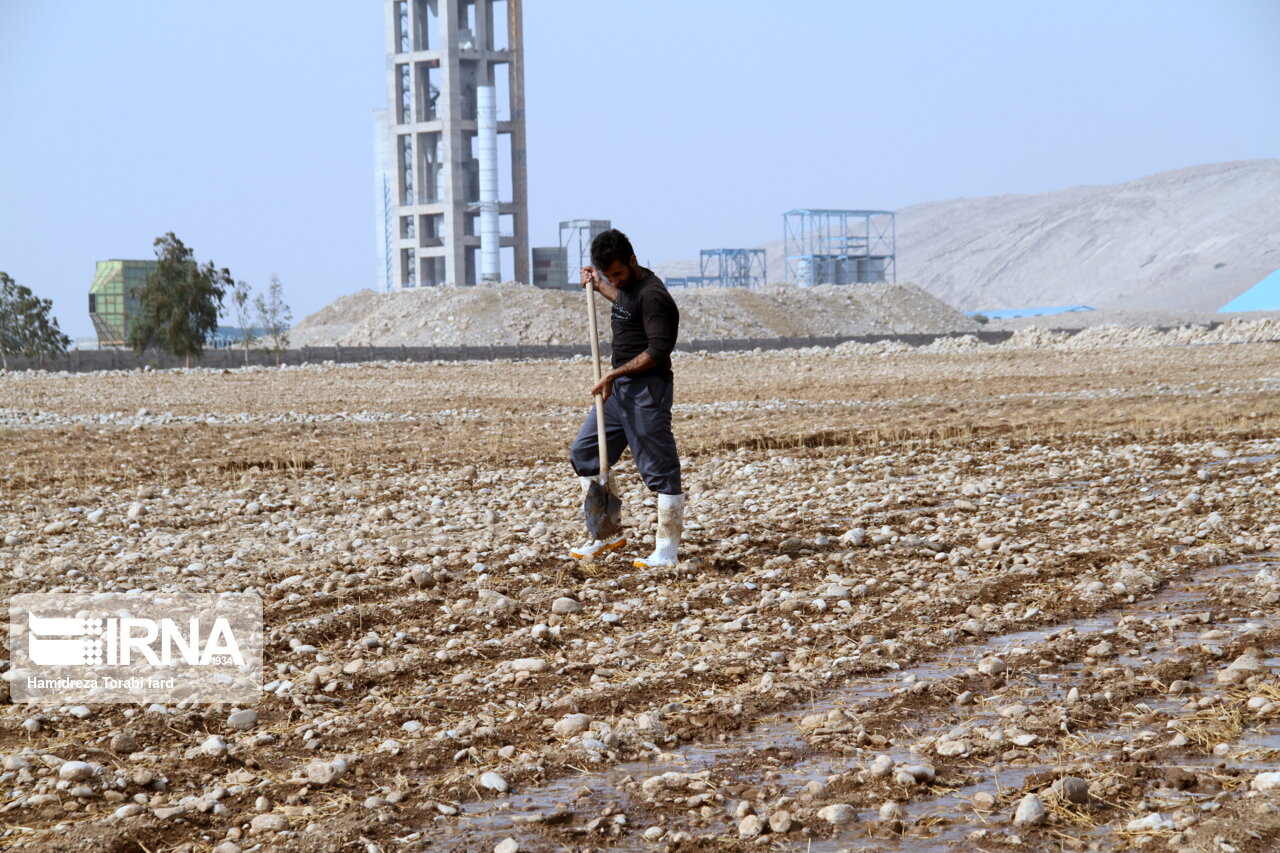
(601, 507)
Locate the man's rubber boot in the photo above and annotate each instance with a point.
(592, 547)
(667, 539)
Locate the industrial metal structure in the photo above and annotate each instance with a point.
(114, 299)
(455, 89)
(726, 268)
(576, 236)
(839, 246)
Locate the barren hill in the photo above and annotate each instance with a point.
(1185, 240)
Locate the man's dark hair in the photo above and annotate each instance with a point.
(610, 246)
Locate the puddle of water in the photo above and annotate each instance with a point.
(485, 820)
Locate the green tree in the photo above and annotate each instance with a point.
(274, 317)
(179, 303)
(240, 297)
(27, 325)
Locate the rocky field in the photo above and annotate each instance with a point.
(982, 598)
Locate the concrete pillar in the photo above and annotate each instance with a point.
(435, 40)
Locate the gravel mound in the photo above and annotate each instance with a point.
(513, 313)
(1237, 331)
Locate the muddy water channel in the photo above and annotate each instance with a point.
(1156, 709)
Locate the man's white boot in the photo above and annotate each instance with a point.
(667, 538)
(592, 547)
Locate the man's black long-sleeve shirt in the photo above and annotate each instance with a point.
(645, 319)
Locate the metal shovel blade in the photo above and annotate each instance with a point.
(602, 511)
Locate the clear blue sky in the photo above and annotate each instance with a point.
(245, 127)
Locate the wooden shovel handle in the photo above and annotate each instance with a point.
(595, 369)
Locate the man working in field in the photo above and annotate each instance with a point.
(637, 392)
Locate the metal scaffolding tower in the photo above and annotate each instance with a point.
(839, 246)
(726, 268)
(447, 62)
(575, 238)
(733, 267)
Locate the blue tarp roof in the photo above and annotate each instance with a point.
(1009, 313)
(1263, 296)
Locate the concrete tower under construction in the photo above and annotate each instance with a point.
(452, 181)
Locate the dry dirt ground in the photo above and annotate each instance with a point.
(992, 599)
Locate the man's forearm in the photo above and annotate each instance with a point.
(643, 361)
(607, 290)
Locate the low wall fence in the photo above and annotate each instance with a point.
(83, 361)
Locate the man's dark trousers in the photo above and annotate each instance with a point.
(636, 415)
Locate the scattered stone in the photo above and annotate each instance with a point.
(891, 811)
(123, 743)
(1103, 649)
(991, 666)
(984, 801)
(76, 771)
(243, 720)
(1031, 812)
(880, 767)
(494, 782)
(1269, 781)
(838, 814)
(572, 724)
(214, 745)
(1073, 789)
(529, 665)
(565, 606)
(269, 823)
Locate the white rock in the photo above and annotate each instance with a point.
(214, 745)
(1031, 812)
(839, 814)
(882, 766)
(269, 823)
(892, 811)
(572, 724)
(494, 782)
(991, 666)
(920, 772)
(529, 665)
(75, 771)
(855, 537)
(242, 720)
(321, 772)
(1266, 781)
(507, 845)
(565, 606)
